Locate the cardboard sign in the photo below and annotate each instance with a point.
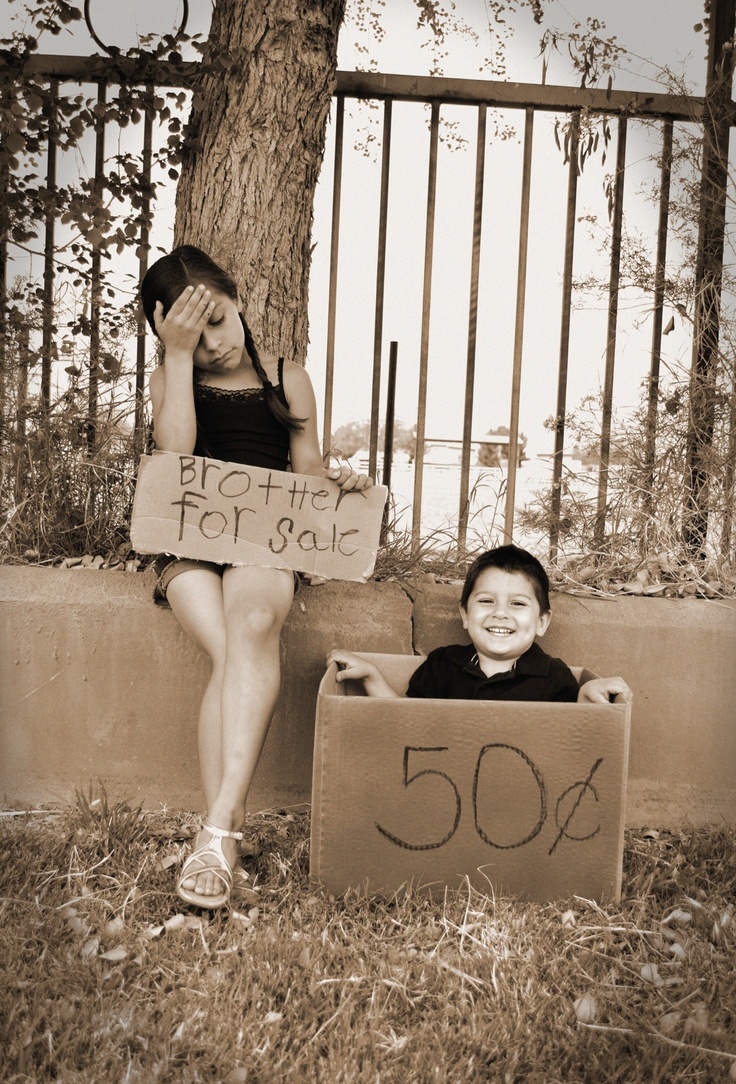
(238, 515)
(520, 798)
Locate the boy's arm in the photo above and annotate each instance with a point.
(604, 690)
(354, 668)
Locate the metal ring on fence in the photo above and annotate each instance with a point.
(111, 50)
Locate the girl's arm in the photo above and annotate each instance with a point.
(304, 450)
(172, 398)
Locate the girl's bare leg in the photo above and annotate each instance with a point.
(196, 600)
(246, 671)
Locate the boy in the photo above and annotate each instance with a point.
(504, 607)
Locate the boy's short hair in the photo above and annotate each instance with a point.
(509, 559)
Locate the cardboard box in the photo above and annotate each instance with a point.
(525, 798)
(233, 514)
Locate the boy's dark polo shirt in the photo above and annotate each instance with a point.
(451, 673)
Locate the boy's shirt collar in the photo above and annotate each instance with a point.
(534, 662)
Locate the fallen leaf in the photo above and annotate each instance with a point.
(650, 973)
(176, 922)
(678, 915)
(669, 1022)
(273, 1017)
(114, 926)
(697, 1021)
(167, 863)
(115, 954)
(89, 948)
(239, 1075)
(568, 918)
(152, 932)
(586, 1009)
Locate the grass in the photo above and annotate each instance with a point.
(107, 978)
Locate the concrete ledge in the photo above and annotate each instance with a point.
(98, 683)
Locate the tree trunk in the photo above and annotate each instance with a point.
(255, 147)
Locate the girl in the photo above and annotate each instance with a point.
(215, 396)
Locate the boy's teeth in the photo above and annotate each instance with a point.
(504, 632)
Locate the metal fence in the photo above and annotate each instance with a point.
(479, 96)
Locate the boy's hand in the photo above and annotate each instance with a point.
(354, 668)
(604, 690)
(350, 666)
(348, 479)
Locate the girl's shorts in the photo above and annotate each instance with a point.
(167, 567)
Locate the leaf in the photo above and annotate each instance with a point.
(167, 863)
(568, 918)
(176, 922)
(115, 954)
(89, 948)
(586, 1009)
(238, 1075)
(678, 915)
(273, 1017)
(669, 1021)
(650, 973)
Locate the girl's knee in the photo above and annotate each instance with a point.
(255, 624)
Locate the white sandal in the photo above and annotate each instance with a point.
(200, 861)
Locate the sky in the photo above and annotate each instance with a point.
(665, 36)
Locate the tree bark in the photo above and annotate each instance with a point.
(253, 155)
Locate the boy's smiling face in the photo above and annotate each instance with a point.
(502, 618)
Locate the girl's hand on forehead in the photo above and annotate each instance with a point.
(182, 326)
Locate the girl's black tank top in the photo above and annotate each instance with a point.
(238, 426)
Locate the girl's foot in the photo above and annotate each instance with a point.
(207, 875)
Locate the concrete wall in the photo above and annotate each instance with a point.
(98, 683)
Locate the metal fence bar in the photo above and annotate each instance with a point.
(49, 266)
(426, 310)
(96, 279)
(480, 161)
(388, 441)
(658, 307)
(613, 290)
(332, 290)
(408, 88)
(4, 375)
(140, 356)
(572, 189)
(380, 282)
(513, 462)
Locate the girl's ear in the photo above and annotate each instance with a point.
(544, 620)
(463, 616)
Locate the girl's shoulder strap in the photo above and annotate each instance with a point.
(281, 371)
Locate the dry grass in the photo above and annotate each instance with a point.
(107, 980)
